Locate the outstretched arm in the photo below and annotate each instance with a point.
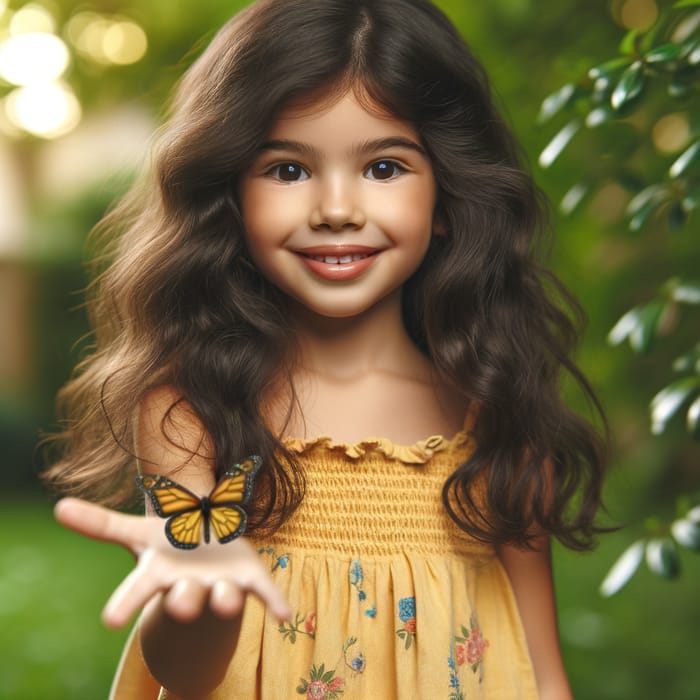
(192, 599)
(530, 574)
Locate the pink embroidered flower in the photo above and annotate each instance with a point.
(316, 690)
(336, 685)
(310, 624)
(410, 625)
(475, 646)
(460, 654)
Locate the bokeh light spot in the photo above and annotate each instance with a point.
(124, 43)
(32, 18)
(639, 14)
(31, 58)
(671, 133)
(48, 109)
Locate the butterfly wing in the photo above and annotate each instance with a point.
(167, 497)
(227, 519)
(236, 486)
(227, 522)
(181, 506)
(185, 529)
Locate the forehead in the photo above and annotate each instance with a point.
(345, 115)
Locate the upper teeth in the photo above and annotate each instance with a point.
(334, 260)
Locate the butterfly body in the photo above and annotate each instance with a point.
(191, 518)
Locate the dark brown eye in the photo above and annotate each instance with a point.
(383, 170)
(289, 172)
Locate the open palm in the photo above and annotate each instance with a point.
(214, 575)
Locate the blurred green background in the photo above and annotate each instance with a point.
(77, 107)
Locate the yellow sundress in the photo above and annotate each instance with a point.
(390, 600)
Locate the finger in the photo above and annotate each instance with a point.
(131, 594)
(267, 591)
(100, 523)
(186, 600)
(226, 599)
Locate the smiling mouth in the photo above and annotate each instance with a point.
(339, 259)
(338, 263)
(338, 255)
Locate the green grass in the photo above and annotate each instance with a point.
(53, 585)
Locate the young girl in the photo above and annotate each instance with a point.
(336, 241)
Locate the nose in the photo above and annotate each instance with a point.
(337, 207)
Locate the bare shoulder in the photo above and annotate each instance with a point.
(171, 439)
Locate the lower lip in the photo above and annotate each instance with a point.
(339, 272)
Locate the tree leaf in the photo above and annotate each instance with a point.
(554, 148)
(662, 557)
(686, 533)
(662, 54)
(630, 86)
(645, 203)
(692, 419)
(685, 160)
(687, 3)
(667, 402)
(691, 200)
(686, 292)
(554, 103)
(622, 329)
(599, 116)
(688, 362)
(678, 89)
(605, 70)
(571, 200)
(642, 336)
(623, 569)
(630, 41)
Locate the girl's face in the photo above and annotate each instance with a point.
(338, 205)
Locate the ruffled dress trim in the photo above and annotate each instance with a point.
(419, 453)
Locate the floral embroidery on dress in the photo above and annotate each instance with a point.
(468, 650)
(407, 615)
(321, 685)
(278, 561)
(356, 577)
(356, 660)
(290, 630)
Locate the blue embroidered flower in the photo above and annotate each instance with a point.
(356, 574)
(371, 612)
(281, 562)
(355, 660)
(358, 663)
(407, 608)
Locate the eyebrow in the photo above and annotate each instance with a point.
(363, 148)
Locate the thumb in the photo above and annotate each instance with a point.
(99, 523)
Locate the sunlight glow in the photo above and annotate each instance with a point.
(32, 18)
(31, 58)
(43, 109)
(115, 41)
(124, 43)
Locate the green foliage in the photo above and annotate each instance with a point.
(623, 102)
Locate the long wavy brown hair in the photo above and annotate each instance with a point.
(180, 303)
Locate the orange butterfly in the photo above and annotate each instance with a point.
(189, 516)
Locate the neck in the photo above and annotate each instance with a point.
(347, 348)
